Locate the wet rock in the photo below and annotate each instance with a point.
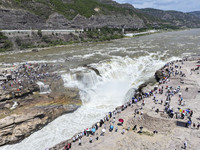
(94, 69)
(146, 85)
(34, 110)
(7, 131)
(158, 75)
(35, 50)
(9, 96)
(7, 121)
(8, 106)
(10, 93)
(18, 133)
(15, 128)
(192, 58)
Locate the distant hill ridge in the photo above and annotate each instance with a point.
(173, 18)
(68, 14)
(195, 13)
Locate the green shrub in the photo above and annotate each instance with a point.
(39, 33)
(2, 36)
(7, 45)
(18, 41)
(46, 39)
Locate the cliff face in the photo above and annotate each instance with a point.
(57, 21)
(25, 111)
(67, 14)
(19, 19)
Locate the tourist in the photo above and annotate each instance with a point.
(97, 138)
(74, 139)
(194, 125)
(123, 131)
(113, 120)
(135, 127)
(90, 139)
(116, 129)
(191, 113)
(198, 126)
(79, 142)
(141, 129)
(185, 145)
(143, 102)
(155, 132)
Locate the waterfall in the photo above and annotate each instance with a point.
(44, 89)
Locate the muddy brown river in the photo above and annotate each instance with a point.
(123, 65)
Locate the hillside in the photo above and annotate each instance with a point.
(89, 15)
(195, 13)
(68, 14)
(65, 14)
(172, 18)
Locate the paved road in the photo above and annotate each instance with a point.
(27, 31)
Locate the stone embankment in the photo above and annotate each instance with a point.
(24, 109)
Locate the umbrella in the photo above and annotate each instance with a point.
(121, 120)
(111, 127)
(103, 130)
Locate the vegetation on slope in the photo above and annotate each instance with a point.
(172, 19)
(87, 8)
(92, 35)
(5, 44)
(68, 8)
(195, 13)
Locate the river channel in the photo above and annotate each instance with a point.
(123, 65)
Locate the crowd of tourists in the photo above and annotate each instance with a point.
(20, 76)
(170, 69)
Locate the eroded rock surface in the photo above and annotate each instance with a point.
(26, 111)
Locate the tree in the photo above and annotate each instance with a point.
(39, 33)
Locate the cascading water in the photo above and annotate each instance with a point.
(99, 94)
(122, 64)
(44, 89)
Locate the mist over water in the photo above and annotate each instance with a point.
(122, 65)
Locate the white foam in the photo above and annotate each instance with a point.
(100, 94)
(44, 89)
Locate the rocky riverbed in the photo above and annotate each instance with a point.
(24, 107)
